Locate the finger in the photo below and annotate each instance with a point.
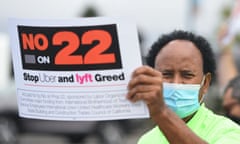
(146, 70)
(144, 80)
(148, 97)
(139, 89)
(141, 92)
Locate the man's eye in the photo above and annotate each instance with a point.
(167, 74)
(188, 75)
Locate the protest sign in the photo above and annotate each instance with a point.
(75, 69)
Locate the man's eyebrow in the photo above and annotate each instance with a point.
(166, 70)
(187, 70)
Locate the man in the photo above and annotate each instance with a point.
(173, 87)
(231, 99)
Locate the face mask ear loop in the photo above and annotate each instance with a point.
(203, 80)
(202, 83)
(201, 100)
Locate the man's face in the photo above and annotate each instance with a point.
(230, 104)
(181, 62)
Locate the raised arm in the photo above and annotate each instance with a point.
(226, 69)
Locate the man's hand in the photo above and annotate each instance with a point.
(146, 85)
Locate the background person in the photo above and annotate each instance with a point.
(228, 76)
(231, 99)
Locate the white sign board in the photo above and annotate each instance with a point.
(75, 69)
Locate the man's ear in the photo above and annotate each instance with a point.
(206, 83)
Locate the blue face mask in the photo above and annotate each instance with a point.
(182, 98)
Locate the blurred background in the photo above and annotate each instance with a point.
(153, 18)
